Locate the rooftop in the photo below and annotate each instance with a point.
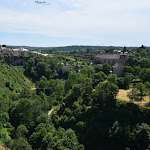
(108, 56)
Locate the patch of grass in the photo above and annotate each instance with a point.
(70, 58)
(2, 147)
(79, 62)
(122, 95)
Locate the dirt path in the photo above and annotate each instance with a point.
(32, 89)
(56, 108)
(4, 148)
(50, 111)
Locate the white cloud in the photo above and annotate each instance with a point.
(78, 18)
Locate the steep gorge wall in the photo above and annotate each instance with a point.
(13, 60)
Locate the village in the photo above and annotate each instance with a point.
(4, 50)
(117, 61)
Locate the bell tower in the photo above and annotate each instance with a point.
(124, 50)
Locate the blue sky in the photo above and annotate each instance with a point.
(75, 22)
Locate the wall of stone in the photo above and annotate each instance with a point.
(117, 61)
(101, 60)
(118, 70)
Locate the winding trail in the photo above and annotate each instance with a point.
(56, 108)
(50, 111)
(32, 89)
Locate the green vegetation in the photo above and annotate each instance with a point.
(45, 105)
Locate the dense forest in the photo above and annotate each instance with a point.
(47, 106)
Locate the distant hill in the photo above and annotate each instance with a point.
(72, 48)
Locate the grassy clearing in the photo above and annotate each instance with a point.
(70, 58)
(2, 147)
(122, 95)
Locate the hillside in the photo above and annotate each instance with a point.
(83, 107)
(13, 85)
(12, 78)
(71, 48)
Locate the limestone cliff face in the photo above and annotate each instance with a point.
(13, 60)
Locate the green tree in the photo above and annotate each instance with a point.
(145, 63)
(140, 137)
(26, 110)
(47, 137)
(137, 70)
(4, 118)
(106, 68)
(26, 92)
(87, 94)
(127, 79)
(132, 61)
(142, 89)
(42, 83)
(128, 69)
(145, 75)
(112, 78)
(76, 91)
(133, 95)
(143, 53)
(37, 136)
(77, 78)
(147, 84)
(80, 125)
(115, 134)
(104, 93)
(41, 68)
(98, 77)
(21, 131)
(88, 70)
(65, 140)
(120, 82)
(5, 136)
(48, 73)
(21, 144)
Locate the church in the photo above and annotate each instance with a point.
(117, 61)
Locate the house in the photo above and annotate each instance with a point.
(67, 66)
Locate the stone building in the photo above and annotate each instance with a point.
(117, 61)
(118, 69)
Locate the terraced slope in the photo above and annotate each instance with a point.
(12, 79)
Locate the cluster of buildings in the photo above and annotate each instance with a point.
(115, 51)
(19, 52)
(117, 61)
(13, 51)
